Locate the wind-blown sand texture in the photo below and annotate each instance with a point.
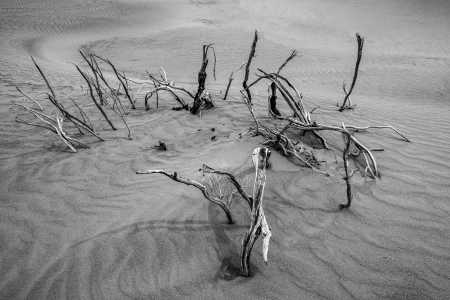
(84, 225)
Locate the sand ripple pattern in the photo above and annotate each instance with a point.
(85, 226)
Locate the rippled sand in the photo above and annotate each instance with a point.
(80, 226)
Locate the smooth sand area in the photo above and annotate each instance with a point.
(85, 226)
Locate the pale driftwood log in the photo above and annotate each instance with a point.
(174, 176)
(258, 222)
(360, 42)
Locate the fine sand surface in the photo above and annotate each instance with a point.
(84, 225)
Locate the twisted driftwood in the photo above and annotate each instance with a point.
(258, 222)
(199, 98)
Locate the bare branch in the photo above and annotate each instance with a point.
(247, 67)
(360, 41)
(248, 198)
(198, 185)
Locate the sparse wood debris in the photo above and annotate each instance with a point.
(277, 135)
(294, 134)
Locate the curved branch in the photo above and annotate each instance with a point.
(174, 176)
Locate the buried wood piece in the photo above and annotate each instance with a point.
(251, 55)
(174, 176)
(345, 155)
(360, 41)
(161, 146)
(199, 98)
(258, 222)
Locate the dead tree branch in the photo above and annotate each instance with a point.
(232, 178)
(174, 176)
(80, 124)
(91, 92)
(251, 55)
(360, 41)
(121, 78)
(53, 124)
(290, 57)
(365, 128)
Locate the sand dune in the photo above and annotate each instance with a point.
(81, 226)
